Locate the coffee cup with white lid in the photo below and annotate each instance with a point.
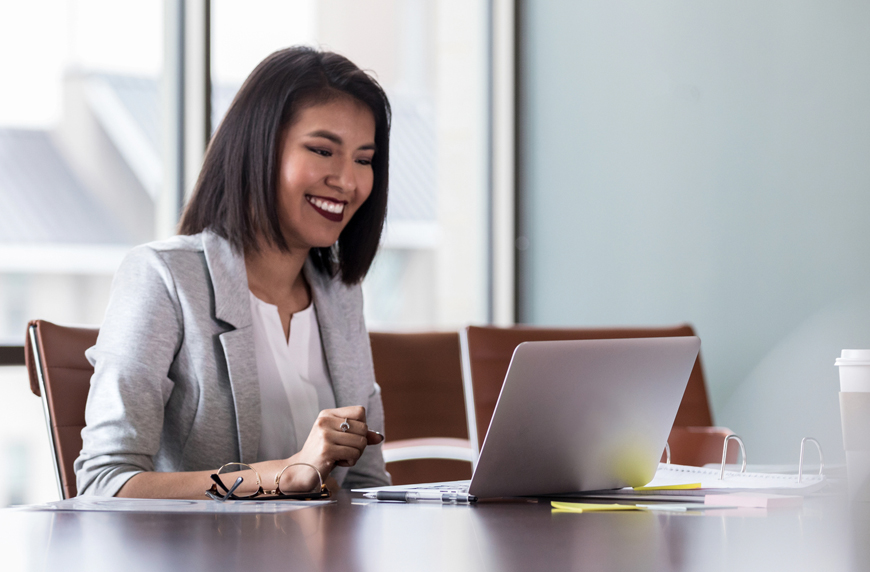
(854, 368)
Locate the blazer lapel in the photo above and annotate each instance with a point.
(340, 326)
(232, 306)
(242, 369)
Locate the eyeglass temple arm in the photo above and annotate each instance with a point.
(230, 490)
(219, 482)
(234, 487)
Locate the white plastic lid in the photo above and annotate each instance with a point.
(853, 357)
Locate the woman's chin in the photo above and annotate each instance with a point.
(312, 240)
(326, 241)
(323, 243)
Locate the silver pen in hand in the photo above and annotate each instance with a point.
(416, 496)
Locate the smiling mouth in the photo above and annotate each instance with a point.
(328, 209)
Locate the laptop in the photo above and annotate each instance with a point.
(579, 415)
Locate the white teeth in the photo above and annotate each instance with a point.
(328, 206)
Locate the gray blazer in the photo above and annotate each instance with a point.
(175, 383)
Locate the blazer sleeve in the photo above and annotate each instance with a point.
(137, 344)
(370, 471)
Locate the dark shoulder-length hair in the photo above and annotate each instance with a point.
(236, 193)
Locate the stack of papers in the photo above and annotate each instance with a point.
(727, 501)
(681, 483)
(676, 476)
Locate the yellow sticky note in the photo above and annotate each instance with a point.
(683, 487)
(589, 507)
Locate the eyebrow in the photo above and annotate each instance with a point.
(337, 140)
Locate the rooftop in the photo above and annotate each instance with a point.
(41, 200)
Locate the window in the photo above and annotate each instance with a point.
(85, 131)
(431, 58)
(80, 167)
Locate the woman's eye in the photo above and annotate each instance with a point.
(321, 152)
(364, 161)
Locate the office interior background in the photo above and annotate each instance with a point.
(632, 163)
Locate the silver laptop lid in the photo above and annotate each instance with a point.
(583, 415)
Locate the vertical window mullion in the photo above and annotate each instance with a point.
(186, 105)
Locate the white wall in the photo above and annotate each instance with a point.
(706, 162)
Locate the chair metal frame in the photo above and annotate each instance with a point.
(468, 390)
(428, 448)
(46, 409)
(425, 447)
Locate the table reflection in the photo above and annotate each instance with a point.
(359, 535)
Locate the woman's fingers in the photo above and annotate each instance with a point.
(344, 456)
(348, 440)
(330, 423)
(342, 435)
(328, 432)
(351, 412)
(349, 448)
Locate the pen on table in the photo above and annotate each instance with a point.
(431, 496)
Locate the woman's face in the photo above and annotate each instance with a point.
(326, 171)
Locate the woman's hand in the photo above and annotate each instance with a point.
(328, 446)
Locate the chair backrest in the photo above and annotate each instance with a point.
(420, 375)
(697, 446)
(487, 351)
(61, 375)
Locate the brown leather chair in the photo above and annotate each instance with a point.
(487, 351)
(697, 446)
(424, 406)
(61, 375)
(420, 374)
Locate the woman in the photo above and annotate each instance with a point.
(243, 340)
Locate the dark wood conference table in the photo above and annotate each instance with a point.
(353, 534)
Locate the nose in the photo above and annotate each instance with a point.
(343, 177)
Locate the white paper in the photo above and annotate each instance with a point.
(112, 504)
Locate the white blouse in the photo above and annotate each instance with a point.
(294, 381)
